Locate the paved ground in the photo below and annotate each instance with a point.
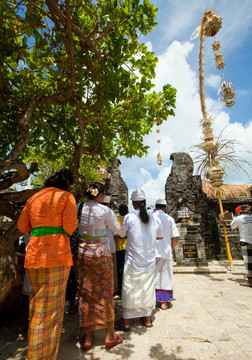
(211, 318)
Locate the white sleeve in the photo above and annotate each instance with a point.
(174, 230)
(112, 222)
(234, 224)
(159, 229)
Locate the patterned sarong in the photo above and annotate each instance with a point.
(94, 279)
(47, 302)
(247, 257)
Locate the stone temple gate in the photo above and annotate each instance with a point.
(201, 233)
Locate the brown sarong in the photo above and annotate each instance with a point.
(47, 302)
(94, 279)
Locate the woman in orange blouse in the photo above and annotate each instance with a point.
(51, 216)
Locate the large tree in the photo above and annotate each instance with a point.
(76, 86)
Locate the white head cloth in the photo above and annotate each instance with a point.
(107, 200)
(138, 195)
(161, 202)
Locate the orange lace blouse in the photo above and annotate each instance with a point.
(49, 207)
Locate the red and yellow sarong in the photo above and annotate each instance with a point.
(47, 302)
(94, 279)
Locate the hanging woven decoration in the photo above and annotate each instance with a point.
(211, 23)
(215, 174)
(159, 159)
(158, 122)
(220, 63)
(227, 93)
(216, 46)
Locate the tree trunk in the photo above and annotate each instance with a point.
(11, 204)
(7, 260)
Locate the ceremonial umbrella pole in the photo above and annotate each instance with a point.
(213, 151)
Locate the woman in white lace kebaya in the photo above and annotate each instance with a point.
(94, 268)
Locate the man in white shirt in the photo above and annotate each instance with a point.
(142, 230)
(164, 250)
(244, 223)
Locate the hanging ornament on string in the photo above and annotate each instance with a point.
(227, 93)
(212, 23)
(158, 122)
(218, 57)
(159, 159)
(226, 90)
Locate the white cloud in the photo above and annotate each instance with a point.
(153, 186)
(179, 133)
(242, 93)
(213, 80)
(178, 19)
(149, 46)
(178, 66)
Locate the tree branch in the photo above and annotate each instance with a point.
(53, 7)
(70, 49)
(23, 125)
(22, 173)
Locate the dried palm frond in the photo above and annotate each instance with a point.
(222, 153)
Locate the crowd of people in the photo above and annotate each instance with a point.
(129, 255)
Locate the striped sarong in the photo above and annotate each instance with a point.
(247, 258)
(94, 279)
(47, 302)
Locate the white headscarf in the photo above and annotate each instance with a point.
(161, 202)
(107, 200)
(138, 195)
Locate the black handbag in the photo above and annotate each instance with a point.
(74, 238)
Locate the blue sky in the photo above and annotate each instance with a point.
(178, 66)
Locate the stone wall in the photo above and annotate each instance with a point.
(115, 186)
(204, 229)
(182, 188)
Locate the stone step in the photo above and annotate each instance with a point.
(199, 270)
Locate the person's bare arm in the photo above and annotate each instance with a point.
(174, 242)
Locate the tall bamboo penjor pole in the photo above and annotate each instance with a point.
(210, 25)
